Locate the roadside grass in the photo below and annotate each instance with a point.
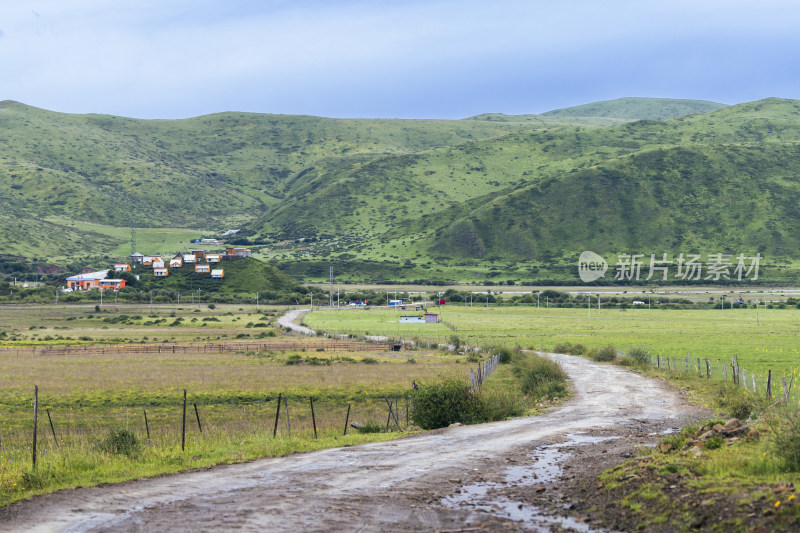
(82, 462)
(742, 482)
(520, 385)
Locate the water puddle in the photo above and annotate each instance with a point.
(545, 468)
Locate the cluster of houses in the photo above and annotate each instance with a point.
(202, 261)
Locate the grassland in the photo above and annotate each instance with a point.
(715, 335)
(99, 372)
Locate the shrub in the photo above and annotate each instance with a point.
(603, 355)
(369, 427)
(370, 361)
(212, 306)
(540, 377)
(640, 355)
(569, 348)
(786, 438)
(294, 359)
(445, 401)
(120, 441)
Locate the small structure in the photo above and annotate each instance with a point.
(122, 267)
(137, 258)
(412, 319)
(199, 254)
(160, 272)
(238, 252)
(395, 302)
(202, 268)
(213, 258)
(431, 318)
(89, 280)
(176, 262)
(189, 258)
(217, 273)
(158, 263)
(147, 260)
(109, 283)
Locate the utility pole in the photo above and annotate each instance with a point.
(330, 291)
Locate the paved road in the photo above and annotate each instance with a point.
(362, 488)
(287, 321)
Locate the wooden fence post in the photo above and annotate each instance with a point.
(183, 423)
(769, 384)
(754, 382)
(277, 414)
(785, 389)
(708, 369)
(197, 414)
(35, 418)
(313, 418)
(347, 419)
(146, 425)
(288, 422)
(52, 429)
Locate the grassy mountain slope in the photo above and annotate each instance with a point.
(474, 194)
(205, 171)
(637, 109)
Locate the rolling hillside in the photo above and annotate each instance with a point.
(490, 196)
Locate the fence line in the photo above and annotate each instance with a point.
(89, 349)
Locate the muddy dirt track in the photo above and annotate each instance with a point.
(456, 478)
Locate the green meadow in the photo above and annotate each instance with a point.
(716, 335)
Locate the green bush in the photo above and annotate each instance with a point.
(120, 441)
(570, 349)
(294, 359)
(540, 377)
(640, 355)
(603, 355)
(447, 400)
(370, 427)
(785, 425)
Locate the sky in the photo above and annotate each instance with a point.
(390, 59)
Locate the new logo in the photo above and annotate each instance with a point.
(591, 267)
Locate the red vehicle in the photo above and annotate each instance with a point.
(442, 301)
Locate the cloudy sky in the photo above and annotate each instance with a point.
(402, 58)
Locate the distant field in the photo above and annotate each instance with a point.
(148, 240)
(708, 334)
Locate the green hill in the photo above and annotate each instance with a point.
(637, 109)
(487, 197)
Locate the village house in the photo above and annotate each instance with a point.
(160, 272)
(189, 258)
(122, 267)
(176, 262)
(158, 263)
(213, 258)
(85, 281)
(217, 273)
(110, 283)
(199, 254)
(238, 252)
(137, 258)
(202, 268)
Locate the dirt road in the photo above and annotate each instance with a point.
(287, 321)
(446, 479)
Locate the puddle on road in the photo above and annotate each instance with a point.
(545, 468)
